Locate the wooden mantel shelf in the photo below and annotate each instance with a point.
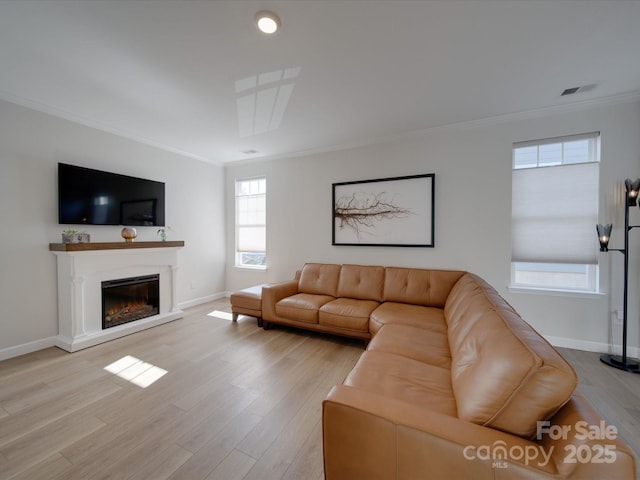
(83, 247)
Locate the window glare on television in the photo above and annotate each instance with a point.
(93, 197)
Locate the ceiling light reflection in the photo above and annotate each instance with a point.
(263, 99)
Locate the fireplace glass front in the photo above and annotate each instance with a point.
(130, 299)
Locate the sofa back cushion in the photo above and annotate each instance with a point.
(504, 374)
(429, 288)
(319, 279)
(361, 282)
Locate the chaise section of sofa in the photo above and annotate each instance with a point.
(376, 437)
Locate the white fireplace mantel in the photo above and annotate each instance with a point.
(81, 270)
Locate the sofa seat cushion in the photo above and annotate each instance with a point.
(429, 318)
(416, 343)
(403, 378)
(347, 313)
(302, 307)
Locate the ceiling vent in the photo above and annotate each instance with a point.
(582, 89)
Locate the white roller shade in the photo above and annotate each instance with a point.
(252, 239)
(554, 213)
(251, 218)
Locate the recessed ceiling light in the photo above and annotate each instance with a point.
(267, 22)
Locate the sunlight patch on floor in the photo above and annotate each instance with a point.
(136, 371)
(219, 314)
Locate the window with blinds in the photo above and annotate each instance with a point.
(251, 222)
(554, 213)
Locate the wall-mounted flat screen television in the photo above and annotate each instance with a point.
(94, 197)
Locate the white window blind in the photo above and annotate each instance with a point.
(251, 199)
(555, 200)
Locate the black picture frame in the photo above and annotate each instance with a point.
(385, 212)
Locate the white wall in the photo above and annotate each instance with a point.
(472, 164)
(31, 145)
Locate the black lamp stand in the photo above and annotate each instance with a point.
(617, 361)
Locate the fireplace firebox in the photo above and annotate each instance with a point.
(129, 299)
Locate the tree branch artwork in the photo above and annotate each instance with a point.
(384, 212)
(360, 210)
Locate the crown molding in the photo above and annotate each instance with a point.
(546, 111)
(482, 122)
(91, 123)
(487, 121)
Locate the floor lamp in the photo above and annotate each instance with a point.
(604, 234)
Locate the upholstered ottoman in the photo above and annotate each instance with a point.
(247, 302)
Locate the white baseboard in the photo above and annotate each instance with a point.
(588, 346)
(562, 342)
(201, 300)
(89, 340)
(66, 344)
(28, 347)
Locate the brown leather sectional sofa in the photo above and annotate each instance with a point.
(453, 384)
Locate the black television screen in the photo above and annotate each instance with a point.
(94, 197)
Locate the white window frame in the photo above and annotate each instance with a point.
(242, 256)
(590, 284)
(557, 277)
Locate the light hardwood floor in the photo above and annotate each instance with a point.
(237, 402)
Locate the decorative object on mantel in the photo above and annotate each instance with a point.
(129, 234)
(604, 235)
(162, 233)
(74, 236)
(390, 212)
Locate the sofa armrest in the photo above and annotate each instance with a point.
(273, 293)
(370, 436)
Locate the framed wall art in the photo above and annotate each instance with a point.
(386, 212)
